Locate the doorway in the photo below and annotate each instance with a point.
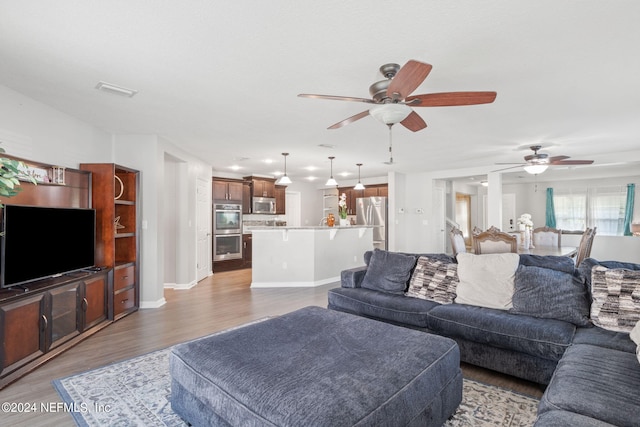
(463, 216)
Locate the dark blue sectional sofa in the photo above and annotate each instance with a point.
(592, 374)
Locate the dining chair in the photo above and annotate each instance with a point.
(457, 241)
(546, 236)
(494, 241)
(586, 242)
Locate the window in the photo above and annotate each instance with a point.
(601, 207)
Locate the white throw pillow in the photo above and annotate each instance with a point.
(487, 280)
(635, 337)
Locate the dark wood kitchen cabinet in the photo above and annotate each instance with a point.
(247, 254)
(262, 187)
(281, 199)
(227, 189)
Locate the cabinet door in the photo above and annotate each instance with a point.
(64, 319)
(22, 332)
(264, 188)
(383, 191)
(219, 190)
(94, 303)
(246, 198)
(370, 191)
(281, 199)
(247, 253)
(235, 190)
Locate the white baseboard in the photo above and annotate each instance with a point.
(153, 304)
(180, 286)
(295, 284)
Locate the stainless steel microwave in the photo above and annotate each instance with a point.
(264, 205)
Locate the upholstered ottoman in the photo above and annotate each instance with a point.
(316, 367)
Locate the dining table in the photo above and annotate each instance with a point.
(549, 250)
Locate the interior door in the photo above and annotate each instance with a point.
(203, 228)
(439, 215)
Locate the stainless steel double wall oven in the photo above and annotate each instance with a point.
(227, 230)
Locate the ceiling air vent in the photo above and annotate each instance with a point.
(115, 89)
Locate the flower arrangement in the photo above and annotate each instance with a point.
(525, 220)
(342, 206)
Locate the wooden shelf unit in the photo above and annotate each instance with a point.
(115, 192)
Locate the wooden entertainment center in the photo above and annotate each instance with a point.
(51, 315)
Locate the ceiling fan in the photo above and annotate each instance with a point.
(539, 162)
(392, 100)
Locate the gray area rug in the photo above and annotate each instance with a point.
(135, 392)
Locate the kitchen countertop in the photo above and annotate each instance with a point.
(249, 229)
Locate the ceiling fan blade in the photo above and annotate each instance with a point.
(511, 167)
(337, 98)
(413, 122)
(557, 158)
(349, 120)
(511, 163)
(572, 162)
(446, 99)
(407, 79)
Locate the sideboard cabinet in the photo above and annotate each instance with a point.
(53, 315)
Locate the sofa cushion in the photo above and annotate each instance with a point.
(596, 382)
(486, 280)
(565, 418)
(558, 263)
(434, 280)
(604, 338)
(439, 256)
(396, 309)
(550, 294)
(544, 338)
(635, 337)
(388, 272)
(585, 267)
(616, 298)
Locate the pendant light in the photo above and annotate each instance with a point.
(284, 179)
(331, 181)
(359, 185)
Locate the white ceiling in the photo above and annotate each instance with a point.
(220, 78)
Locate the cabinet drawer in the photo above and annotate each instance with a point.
(124, 277)
(124, 301)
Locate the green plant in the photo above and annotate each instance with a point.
(10, 172)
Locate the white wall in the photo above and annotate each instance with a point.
(35, 131)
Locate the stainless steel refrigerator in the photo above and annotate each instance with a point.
(373, 211)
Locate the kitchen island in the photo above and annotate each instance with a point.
(306, 256)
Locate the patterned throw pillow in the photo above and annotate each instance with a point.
(616, 298)
(434, 280)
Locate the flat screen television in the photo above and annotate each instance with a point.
(41, 242)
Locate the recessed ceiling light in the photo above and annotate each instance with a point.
(235, 167)
(311, 178)
(115, 89)
(311, 168)
(344, 173)
(268, 161)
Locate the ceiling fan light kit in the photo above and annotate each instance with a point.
(331, 181)
(390, 113)
(535, 169)
(284, 179)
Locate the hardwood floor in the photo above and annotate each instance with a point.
(216, 303)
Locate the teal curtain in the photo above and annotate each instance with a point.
(550, 216)
(628, 209)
